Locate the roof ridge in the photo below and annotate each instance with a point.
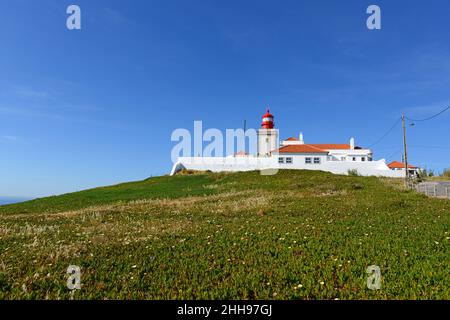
(311, 145)
(292, 147)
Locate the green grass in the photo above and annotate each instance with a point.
(294, 235)
(157, 187)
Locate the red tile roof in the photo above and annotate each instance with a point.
(327, 146)
(300, 148)
(399, 165)
(331, 146)
(241, 154)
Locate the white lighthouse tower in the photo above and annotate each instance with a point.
(267, 136)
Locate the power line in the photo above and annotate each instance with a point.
(414, 120)
(387, 132)
(429, 118)
(394, 154)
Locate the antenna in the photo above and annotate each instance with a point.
(245, 129)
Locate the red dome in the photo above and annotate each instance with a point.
(267, 122)
(267, 114)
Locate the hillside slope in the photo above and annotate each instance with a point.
(294, 235)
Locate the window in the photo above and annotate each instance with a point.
(308, 160)
(363, 158)
(354, 158)
(316, 160)
(280, 160)
(369, 159)
(288, 160)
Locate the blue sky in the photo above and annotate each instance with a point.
(97, 106)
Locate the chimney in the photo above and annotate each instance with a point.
(300, 138)
(352, 143)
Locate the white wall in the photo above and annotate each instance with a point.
(217, 164)
(267, 141)
(364, 168)
(299, 161)
(349, 154)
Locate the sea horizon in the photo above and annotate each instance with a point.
(11, 200)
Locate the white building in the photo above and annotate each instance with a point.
(293, 153)
(413, 171)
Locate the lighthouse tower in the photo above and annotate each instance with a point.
(267, 136)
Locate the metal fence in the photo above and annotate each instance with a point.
(434, 189)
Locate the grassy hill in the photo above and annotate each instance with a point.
(294, 235)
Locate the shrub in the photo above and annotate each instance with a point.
(191, 172)
(422, 175)
(357, 186)
(353, 172)
(446, 173)
(5, 285)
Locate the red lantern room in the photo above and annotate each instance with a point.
(267, 120)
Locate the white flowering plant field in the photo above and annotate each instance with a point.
(293, 235)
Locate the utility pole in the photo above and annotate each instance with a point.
(405, 152)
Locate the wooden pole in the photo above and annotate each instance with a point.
(405, 152)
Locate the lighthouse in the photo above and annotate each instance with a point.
(267, 136)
